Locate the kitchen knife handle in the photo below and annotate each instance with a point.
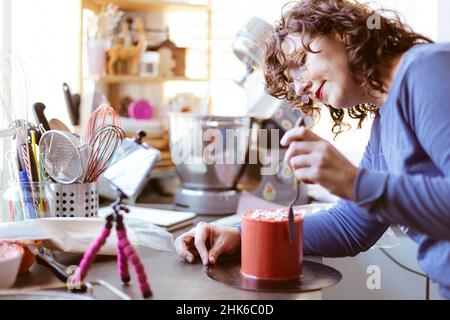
(38, 109)
(69, 103)
(56, 268)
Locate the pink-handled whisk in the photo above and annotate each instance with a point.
(103, 115)
(125, 251)
(102, 146)
(103, 135)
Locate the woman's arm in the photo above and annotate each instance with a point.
(418, 200)
(345, 229)
(342, 231)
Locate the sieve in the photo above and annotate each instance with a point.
(63, 156)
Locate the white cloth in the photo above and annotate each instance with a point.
(75, 235)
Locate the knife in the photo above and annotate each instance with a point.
(72, 104)
(46, 259)
(38, 109)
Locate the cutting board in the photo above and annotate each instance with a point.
(167, 219)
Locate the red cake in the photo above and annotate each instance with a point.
(266, 251)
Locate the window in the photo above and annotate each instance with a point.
(45, 35)
(421, 15)
(4, 44)
(227, 19)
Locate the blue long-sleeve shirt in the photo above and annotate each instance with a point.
(404, 176)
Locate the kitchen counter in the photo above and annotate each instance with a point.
(169, 277)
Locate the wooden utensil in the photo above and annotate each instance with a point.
(56, 124)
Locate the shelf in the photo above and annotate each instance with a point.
(146, 5)
(168, 172)
(124, 79)
(110, 85)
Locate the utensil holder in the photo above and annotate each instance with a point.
(76, 200)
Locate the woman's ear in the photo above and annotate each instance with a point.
(341, 37)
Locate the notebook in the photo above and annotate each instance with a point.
(167, 219)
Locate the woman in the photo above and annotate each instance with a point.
(329, 51)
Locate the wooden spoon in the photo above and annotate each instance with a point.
(56, 124)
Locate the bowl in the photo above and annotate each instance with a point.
(28, 257)
(10, 258)
(209, 152)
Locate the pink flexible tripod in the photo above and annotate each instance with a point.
(125, 251)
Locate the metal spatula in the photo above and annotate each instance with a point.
(291, 212)
(300, 122)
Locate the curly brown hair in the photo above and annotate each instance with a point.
(367, 48)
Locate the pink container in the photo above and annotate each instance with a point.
(140, 110)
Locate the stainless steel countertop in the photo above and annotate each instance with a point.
(169, 277)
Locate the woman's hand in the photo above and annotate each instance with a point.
(219, 240)
(314, 160)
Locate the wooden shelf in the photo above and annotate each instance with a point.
(146, 5)
(110, 85)
(124, 79)
(168, 172)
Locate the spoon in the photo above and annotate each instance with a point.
(291, 211)
(56, 124)
(300, 122)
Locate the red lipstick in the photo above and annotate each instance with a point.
(319, 92)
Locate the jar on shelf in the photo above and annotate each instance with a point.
(96, 56)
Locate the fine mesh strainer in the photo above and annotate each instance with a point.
(62, 155)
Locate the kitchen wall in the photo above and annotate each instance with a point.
(429, 17)
(443, 21)
(421, 15)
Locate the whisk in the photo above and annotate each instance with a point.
(102, 145)
(14, 94)
(14, 87)
(14, 102)
(103, 115)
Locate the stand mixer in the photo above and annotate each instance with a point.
(209, 180)
(214, 188)
(267, 113)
